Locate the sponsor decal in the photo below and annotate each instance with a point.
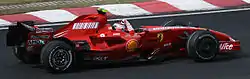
(40, 36)
(42, 30)
(226, 46)
(161, 28)
(116, 34)
(160, 37)
(36, 42)
(134, 35)
(166, 28)
(86, 25)
(100, 58)
(167, 44)
(131, 45)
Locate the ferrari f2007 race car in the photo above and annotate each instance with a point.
(89, 40)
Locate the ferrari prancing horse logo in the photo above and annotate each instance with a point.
(160, 37)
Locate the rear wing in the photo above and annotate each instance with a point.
(19, 33)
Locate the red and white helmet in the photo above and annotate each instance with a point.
(123, 21)
(119, 26)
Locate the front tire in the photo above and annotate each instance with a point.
(58, 56)
(202, 46)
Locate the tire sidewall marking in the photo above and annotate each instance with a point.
(68, 64)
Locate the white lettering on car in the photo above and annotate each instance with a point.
(100, 58)
(167, 44)
(86, 25)
(36, 42)
(165, 28)
(116, 34)
(226, 46)
(41, 30)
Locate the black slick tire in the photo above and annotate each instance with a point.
(57, 56)
(202, 46)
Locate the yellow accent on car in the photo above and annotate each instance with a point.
(102, 9)
(131, 45)
(160, 37)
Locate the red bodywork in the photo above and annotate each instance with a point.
(108, 44)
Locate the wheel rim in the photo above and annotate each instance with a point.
(60, 59)
(206, 48)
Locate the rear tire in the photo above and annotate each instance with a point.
(202, 46)
(58, 56)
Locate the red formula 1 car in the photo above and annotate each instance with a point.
(88, 39)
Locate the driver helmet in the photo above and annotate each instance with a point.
(119, 27)
(123, 21)
(102, 11)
